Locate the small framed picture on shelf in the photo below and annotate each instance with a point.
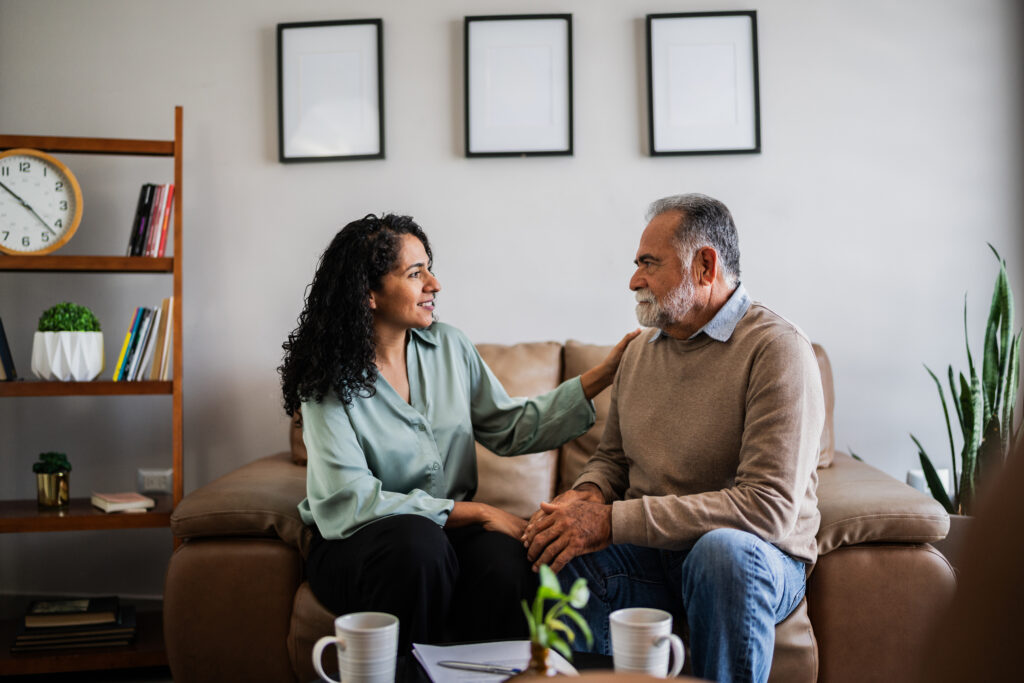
(330, 90)
(518, 85)
(702, 83)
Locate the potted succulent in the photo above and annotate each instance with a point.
(52, 479)
(68, 344)
(547, 628)
(984, 408)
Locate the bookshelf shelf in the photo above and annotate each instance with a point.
(86, 264)
(49, 143)
(24, 516)
(95, 388)
(18, 516)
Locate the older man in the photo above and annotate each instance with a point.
(701, 496)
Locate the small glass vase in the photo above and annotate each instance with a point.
(538, 666)
(52, 490)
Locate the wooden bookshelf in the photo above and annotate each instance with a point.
(147, 649)
(17, 516)
(95, 388)
(85, 264)
(24, 516)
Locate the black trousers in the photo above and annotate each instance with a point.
(444, 585)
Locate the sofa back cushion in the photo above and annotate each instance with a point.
(828, 435)
(518, 484)
(579, 358)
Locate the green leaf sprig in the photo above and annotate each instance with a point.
(547, 628)
(68, 317)
(51, 463)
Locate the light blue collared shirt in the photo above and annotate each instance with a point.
(380, 456)
(721, 327)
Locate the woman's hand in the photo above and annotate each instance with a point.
(503, 522)
(599, 377)
(489, 517)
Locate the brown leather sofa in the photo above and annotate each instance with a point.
(237, 607)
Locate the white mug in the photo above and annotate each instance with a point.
(641, 637)
(367, 645)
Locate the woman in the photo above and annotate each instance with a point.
(391, 405)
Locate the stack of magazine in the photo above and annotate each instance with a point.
(75, 623)
(146, 351)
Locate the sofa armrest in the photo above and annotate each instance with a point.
(860, 504)
(258, 499)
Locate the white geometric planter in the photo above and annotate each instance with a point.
(67, 356)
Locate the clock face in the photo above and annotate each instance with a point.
(40, 202)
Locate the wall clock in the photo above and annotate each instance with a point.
(40, 202)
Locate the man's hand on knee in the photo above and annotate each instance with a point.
(567, 527)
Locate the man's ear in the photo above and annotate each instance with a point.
(705, 264)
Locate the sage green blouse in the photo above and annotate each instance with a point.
(380, 456)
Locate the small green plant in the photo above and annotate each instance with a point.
(546, 627)
(51, 463)
(984, 405)
(68, 317)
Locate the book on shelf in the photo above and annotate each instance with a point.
(7, 371)
(142, 211)
(120, 631)
(117, 502)
(72, 612)
(136, 349)
(145, 352)
(161, 369)
(152, 215)
(129, 339)
(142, 370)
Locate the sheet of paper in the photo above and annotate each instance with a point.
(514, 653)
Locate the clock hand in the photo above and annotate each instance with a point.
(25, 204)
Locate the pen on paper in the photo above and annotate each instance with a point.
(480, 668)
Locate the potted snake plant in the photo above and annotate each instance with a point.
(68, 345)
(984, 408)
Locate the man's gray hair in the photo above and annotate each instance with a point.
(705, 222)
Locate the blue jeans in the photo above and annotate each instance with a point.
(731, 587)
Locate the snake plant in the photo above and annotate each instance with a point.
(984, 405)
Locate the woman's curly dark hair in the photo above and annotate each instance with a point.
(333, 348)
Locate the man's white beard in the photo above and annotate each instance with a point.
(652, 313)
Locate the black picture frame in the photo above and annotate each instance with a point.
(318, 118)
(673, 127)
(508, 47)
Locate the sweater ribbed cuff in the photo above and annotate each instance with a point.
(629, 524)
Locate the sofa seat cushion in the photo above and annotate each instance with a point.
(258, 499)
(860, 504)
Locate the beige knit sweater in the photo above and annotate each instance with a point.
(705, 434)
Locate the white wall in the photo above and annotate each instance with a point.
(891, 154)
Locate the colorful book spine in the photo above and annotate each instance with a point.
(133, 331)
(124, 347)
(167, 219)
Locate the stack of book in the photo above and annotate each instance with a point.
(122, 502)
(146, 352)
(7, 371)
(65, 624)
(152, 216)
